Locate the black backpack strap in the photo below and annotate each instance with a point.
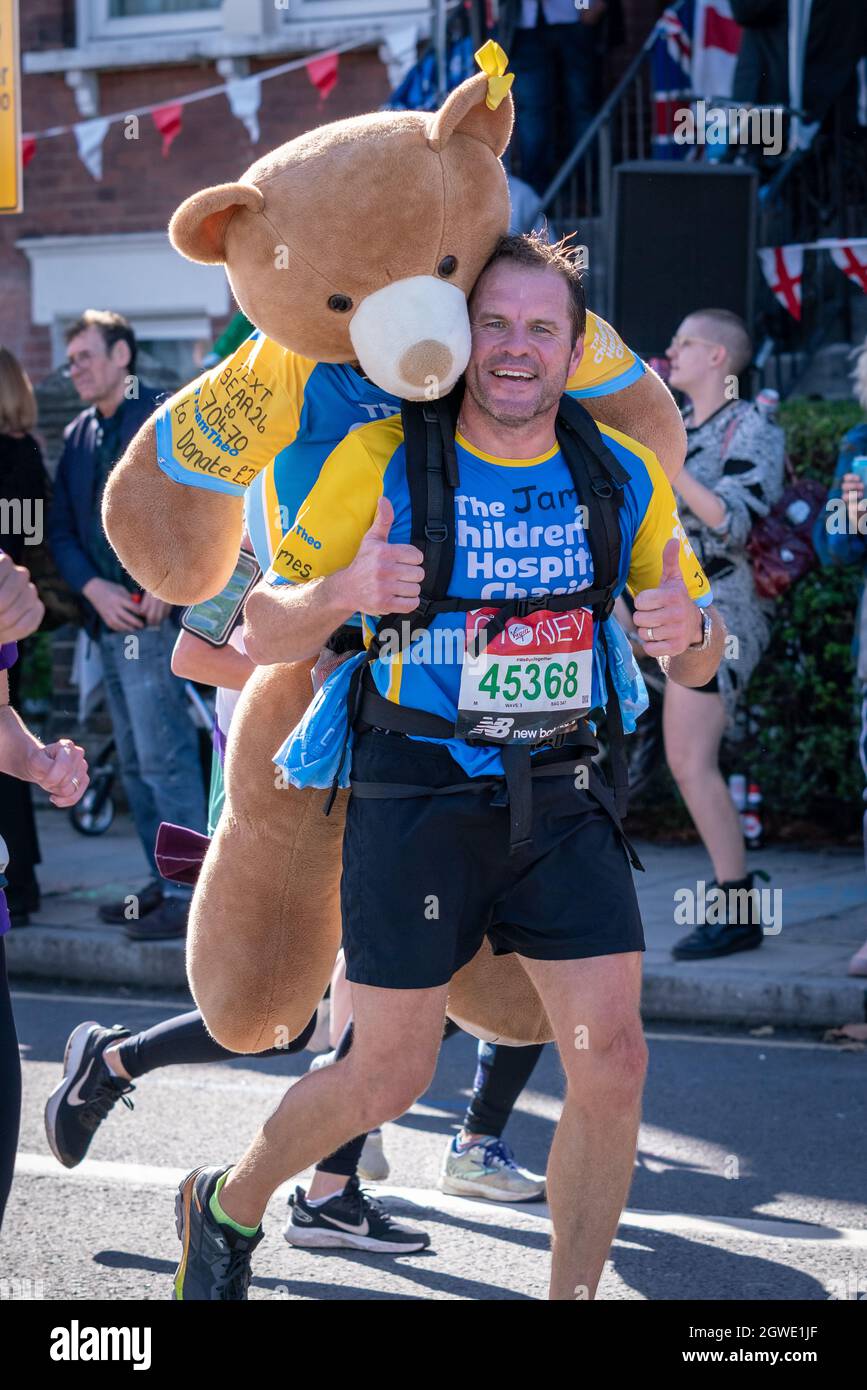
(599, 484)
(616, 737)
(432, 477)
(599, 481)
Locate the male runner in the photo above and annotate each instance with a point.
(424, 878)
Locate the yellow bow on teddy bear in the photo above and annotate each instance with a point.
(493, 62)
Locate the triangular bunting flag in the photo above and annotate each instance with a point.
(852, 260)
(28, 150)
(245, 98)
(782, 267)
(323, 74)
(89, 136)
(167, 120)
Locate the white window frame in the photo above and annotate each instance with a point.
(309, 11)
(95, 23)
(240, 28)
(138, 273)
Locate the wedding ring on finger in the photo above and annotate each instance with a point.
(650, 634)
(75, 783)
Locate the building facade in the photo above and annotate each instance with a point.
(86, 241)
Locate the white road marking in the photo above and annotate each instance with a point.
(766, 1043)
(708, 1229)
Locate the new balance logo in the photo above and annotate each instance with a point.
(488, 727)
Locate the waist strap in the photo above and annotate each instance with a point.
(518, 791)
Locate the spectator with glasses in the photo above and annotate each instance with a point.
(732, 476)
(157, 744)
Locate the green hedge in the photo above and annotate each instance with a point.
(802, 744)
(802, 694)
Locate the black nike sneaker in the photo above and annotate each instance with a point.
(352, 1219)
(215, 1264)
(77, 1107)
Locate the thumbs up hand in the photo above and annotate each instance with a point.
(666, 618)
(384, 578)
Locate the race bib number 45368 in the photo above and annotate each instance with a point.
(531, 682)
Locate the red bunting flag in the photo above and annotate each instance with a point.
(783, 268)
(323, 74)
(167, 120)
(28, 150)
(852, 260)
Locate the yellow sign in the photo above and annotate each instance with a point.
(10, 109)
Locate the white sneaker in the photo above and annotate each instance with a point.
(325, 1059)
(373, 1165)
(488, 1170)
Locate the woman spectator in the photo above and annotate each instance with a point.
(733, 475)
(847, 545)
(60, 769)
(24, 486)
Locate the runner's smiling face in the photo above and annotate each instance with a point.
(522, 353)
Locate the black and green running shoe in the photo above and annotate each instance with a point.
(215, 1264)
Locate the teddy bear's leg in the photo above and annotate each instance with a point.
(180, 543)
(493, 998)
(264, 925)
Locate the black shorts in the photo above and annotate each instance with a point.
(425, 878)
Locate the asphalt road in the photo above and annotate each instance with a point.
(749, 1182)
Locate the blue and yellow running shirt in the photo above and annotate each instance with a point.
(264, 403)
(519, 533)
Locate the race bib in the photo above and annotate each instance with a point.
(531, 682)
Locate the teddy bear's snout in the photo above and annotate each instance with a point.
(413, 336)
(425, 361)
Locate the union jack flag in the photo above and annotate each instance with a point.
(694, 55)
(671, 61)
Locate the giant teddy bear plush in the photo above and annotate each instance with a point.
(357, 243)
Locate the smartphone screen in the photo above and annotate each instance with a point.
(214, 619)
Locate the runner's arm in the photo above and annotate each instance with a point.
(193, 659)
(335, 562)
(696, 668)
(294, 621)
(670, 588)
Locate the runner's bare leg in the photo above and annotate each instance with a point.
(593, 1006)
(395, 1044)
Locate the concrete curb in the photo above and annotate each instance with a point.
(716, 992)
(99, 956)
(725, 994)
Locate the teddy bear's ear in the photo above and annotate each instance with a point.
(467, 111)
(198, 227)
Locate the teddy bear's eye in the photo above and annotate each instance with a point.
(447, 266)
(340, 303)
